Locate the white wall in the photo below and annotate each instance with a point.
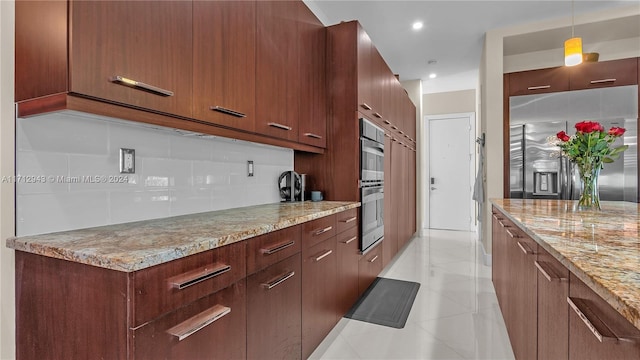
(77, 155)
(491, 89)
(452, 102)
(7, 294)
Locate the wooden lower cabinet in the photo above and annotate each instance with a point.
(348, 276)
(553, 314)
(274, 311)
(598, 316)
(370, 265)
(213, 327)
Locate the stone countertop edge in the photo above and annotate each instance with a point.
(628, 311)
(134, 246)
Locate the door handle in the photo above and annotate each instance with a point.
(433, 188)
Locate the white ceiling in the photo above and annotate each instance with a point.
(453, 32)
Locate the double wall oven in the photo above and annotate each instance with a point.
(371, 185)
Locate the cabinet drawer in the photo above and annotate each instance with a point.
(160, 289)
(369, 266)
(539, 81)
(270, 248)
(213, 327)
(604, 74)
(346, 220)
(315, 231)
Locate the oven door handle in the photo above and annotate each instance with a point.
(372, 147)
(371, 194)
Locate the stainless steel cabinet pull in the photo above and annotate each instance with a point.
(198, 322)
(598, 328)
(603, 81)
(502, 224)
(525, 248)
(349, 220)
(350, 240)
(228, 111)
(387, 135)
(312, 135)
(387, 122)
(538, 87)
(374, 259)
(280, 126)
(394, 127)
(117, 79)
(511, 235)
(547, 271)
(199, 275)
(377, 115)
(327, 253)
(498, 218)
(279, 280)
(365, 106)
(278, 247)
(322, 231)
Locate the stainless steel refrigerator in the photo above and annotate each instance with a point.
(535, 169)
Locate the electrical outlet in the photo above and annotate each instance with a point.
(250, 168)
(127, 161)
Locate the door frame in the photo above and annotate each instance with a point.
(472, 165)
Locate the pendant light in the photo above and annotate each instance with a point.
(573, 46)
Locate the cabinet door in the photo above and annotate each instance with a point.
(390, 243)
(553, 315)
(539, 81)
(365, 66)
(277, 71)
(347, 276)
(137, 53)
(604, 74)
(598, 316)
(370, 266)
(224, 62)
(313, 104)
(319, 303)
(499, 267)
(273, 311)
(213, 327)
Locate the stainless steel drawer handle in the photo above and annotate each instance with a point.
(377, 115)
(322, 231)
(374, 259)
(117, 79)
(228, 111)
(312, 135)
(603, 81)
(349, 220)
(498, 218)
(198, 322)
(278, 247)
(394, 127)
(525, 248)
(199, 275)
(279, 126)
(324, 255)
(547, 271)
(511, 235)
(598, 328)
(350, 240)
(387, 122)
(365, 106)
(538, 87)
(279, 280)
(387, 135)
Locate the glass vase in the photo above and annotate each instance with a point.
(589, 192)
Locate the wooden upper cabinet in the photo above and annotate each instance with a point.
(380, 85)
(224, 62)
(277, 71)
(137, 53)
(539, 81)
(604, 74)
(365, 66)
(313, 89)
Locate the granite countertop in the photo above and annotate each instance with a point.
(602, 248)
(138, 245)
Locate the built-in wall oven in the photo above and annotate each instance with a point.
(371, 185)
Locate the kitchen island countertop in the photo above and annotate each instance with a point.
(602, 248)
(137, 245)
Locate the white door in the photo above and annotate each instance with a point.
(451, 169)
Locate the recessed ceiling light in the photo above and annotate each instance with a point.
(417, 25)
(432, 76)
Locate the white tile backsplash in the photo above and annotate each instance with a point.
(176, 174)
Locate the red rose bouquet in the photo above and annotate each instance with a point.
(589, 149)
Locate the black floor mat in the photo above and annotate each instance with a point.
(386, 302)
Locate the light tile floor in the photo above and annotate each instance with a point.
(455, 314)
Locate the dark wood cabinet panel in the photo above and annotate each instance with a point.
(141, 41)
(274, 311)
(319, 295)
(224, 63)
(553, 316)
(365, 68)
(583, 344)
(346, 220)
(277, 70)
(539, 81)
(604, 74)
(182, 334)
(312, 81)
(370, 265)
(390, 243)
(347, 275)
(268, 249)
(318, 230)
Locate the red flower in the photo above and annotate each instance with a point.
(587, 127)
(617, 131)
(562, 136)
